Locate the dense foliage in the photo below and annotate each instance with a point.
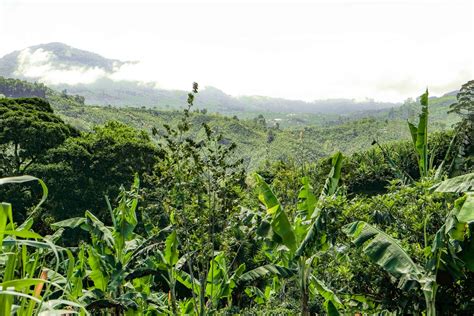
(387, 230)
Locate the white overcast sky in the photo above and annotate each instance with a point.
(386, 50)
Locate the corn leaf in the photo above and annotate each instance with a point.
(22, 179)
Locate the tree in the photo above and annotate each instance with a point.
(465, 108)
(270, 136)
(260, 121)
(28, 129)
(197, 185)
(84, 169)
(14, 88)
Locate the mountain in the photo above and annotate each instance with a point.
(57, 56)
(95, 77)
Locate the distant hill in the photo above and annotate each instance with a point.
(259, 138)
(91, 76)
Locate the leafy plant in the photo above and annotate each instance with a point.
(295, 241)
(110, 262)
(450, 244)
(31, 283)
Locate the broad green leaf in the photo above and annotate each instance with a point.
(464, 183)
(234, 279)
(26, 225)
(331, 309)
(382, 249)
(171, 249)
(280, 223)
(327, 294)
(315, 232)
(460, 218)
(332, 181)
(306, 198)
(70, 223)
(282, 227)
(186, 280)
(312, 235)
(187, 307)
(255, 293)
(98, 231)
(124, 216)
(216, 278)
(466, 213)
(413, 133)
(266, 196)
(424, 98)
(266, 271)
(97, 276)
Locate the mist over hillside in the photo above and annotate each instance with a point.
(102, 81)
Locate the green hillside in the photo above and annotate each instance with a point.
(300, 136)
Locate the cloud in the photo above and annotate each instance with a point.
(45, 66)
(42, 65)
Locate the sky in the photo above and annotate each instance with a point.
(383, 50)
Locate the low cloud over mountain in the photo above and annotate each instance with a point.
(57, 63)
(110, 81)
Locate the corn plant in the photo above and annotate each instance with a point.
(30, 280)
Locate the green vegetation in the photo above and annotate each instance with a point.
(300, 229)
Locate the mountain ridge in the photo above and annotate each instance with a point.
(49, 61)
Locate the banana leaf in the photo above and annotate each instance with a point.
(383, 250)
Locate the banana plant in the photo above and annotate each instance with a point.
(451, 249)
(29, 284)
(297, 241)
(419, 135)
(111, 262)
(221, 283)
(220, 286)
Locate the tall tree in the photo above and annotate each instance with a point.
(84, 169)
(465, 108)
(28, 129)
